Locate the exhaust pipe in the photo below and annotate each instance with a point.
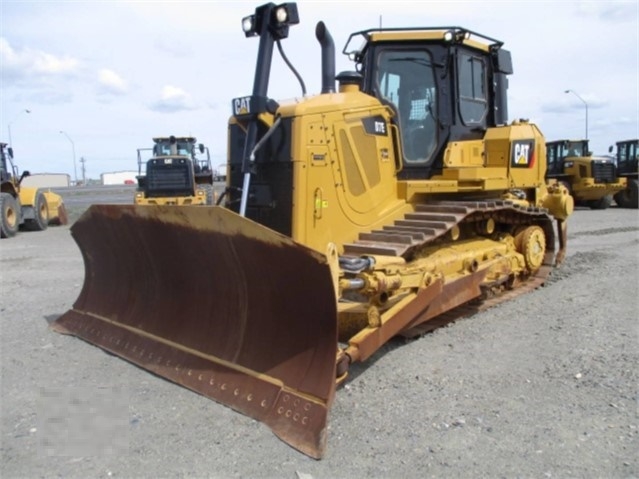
(328, 57)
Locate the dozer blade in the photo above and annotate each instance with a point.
(216, 303)
(57, 211)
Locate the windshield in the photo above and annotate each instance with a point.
(165, 148)
(574, 149)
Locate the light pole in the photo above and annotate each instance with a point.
(84, 171)
(75, 171)
(585, 104)
(12, 121)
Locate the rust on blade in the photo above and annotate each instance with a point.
(62, 218)
(216, 303)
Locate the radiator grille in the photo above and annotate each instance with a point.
(169, 177)
(604, 172)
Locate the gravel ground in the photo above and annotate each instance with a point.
(542, 386)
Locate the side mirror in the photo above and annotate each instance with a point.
(610, 149)
(10, 152)
(23, 176)
(201, 148)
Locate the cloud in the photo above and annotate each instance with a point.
(173, 99)
(572, 103)
(111, 83)
(33, 66)
(613, 12)
(177, 48)
(50, 97)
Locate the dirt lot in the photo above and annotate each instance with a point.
(543, 386)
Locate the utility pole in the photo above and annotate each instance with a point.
(84, 171)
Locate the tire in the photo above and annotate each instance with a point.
(9, 216)
(633, 186)
(40, 213)
(623, 198)
(629, 198)
(210, 200)
(601, 203)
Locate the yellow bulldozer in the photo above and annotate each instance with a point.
(372, 209)
(21, 207)
(175, 174)
(591, 180)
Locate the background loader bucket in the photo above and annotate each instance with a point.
(216, 303)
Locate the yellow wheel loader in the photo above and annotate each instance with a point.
(628, 167)
(400, 196)
(22, 207)
(591, 180)
(175, 175)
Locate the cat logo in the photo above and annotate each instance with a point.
(523, 154)
(242, 106)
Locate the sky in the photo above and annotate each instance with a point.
(100, 79)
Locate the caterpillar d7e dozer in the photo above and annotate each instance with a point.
(591, 180)
(350, 217)
(22, 207)
(175, 175)
(628, 168)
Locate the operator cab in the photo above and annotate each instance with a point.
(443, 85)
(558, 151)
(627, 156)
(4, 176)
(7, 170)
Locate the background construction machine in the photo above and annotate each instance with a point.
(628, 168)
(27, 208)
(175, 175)
(592, 180)
(350, 216)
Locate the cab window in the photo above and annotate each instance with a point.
(473, 92)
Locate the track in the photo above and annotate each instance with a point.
(432, 221)
(480, 304)
(445, 221)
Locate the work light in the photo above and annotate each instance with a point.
(248, 24)
(276, 19)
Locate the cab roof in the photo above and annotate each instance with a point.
(190, 139)
(451, 35)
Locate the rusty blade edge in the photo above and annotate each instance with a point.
(296, 418)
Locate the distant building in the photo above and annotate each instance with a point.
(47, 180)
(119, 178)
(219, 174)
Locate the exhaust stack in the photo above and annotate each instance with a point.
(328, 57)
